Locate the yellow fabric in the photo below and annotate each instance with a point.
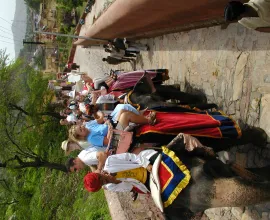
(137, 106)
(139, 174)
(184, 181)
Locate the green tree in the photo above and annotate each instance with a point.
(24, 101)
(29, 130)
(34, 4)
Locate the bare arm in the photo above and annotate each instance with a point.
(101, 156)
(99, 116)
(108, 137)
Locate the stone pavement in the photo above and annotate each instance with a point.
(231, 66)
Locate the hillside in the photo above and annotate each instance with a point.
(18, 25)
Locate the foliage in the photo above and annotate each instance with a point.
(23, 141)
(34, 4)
(39, 60)
(69, 4)
(30, 140)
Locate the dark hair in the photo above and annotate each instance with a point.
(104, 59)
(69, 163)
(105, 46)
(65, 102)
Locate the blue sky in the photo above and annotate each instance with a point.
(7, 11)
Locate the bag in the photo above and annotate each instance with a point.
(119, 142)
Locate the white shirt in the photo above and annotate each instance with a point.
(89, 155)
(72, 118)
(127, 161)
(126, 185)
(82, 107)
(109, 98)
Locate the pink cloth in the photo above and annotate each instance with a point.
(129, 79)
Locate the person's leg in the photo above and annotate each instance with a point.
(120, 113)
(129, 54)
(133, 50)
(138, 45)
(127, 117)
(110, 81)
(86, 79)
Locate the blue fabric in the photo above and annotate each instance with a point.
(97, 133)
(119, 107)
(177, 177)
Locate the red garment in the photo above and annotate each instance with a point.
(135, 189)
(213, 125)
(92, 182)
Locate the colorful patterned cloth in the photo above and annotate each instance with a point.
(199, 124)
(173, 176)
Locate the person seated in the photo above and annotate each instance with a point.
(108, 98)
(69, 145)
(87, 157)
(91, 157)
(101, 112)
(254, 14)
(178, 175)
(99, 134)
(66, 122)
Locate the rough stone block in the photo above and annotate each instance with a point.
(265, 114)
(265, 216)
(266, 78)
(239, 75)
(237, 212)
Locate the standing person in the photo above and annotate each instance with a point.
(115, 61)
(72, 66)
(119, 54)
(129, 45)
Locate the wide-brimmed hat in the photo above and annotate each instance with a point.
(64, 146)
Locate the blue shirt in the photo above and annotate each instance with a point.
(97, 133)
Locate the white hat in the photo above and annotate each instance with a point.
(64, 146)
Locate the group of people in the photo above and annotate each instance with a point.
(152, 164)
(174, 152)
(122, 50)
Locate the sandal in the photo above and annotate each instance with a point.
(152, 118)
